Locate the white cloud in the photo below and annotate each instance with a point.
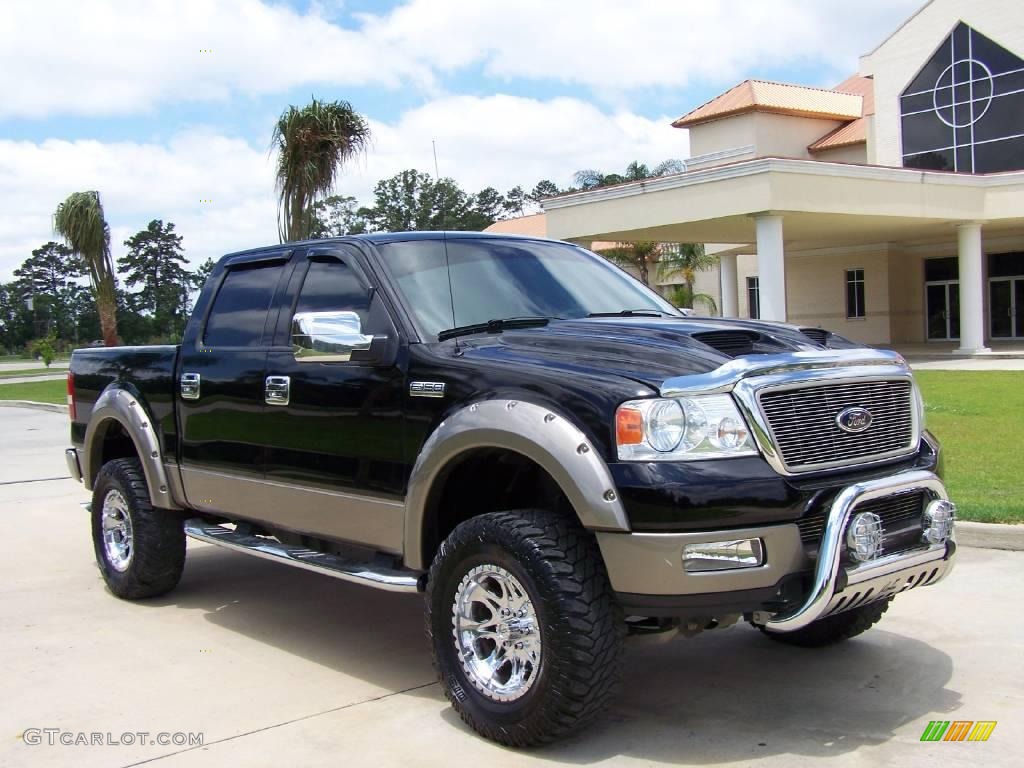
(499, 141)
(125, 57)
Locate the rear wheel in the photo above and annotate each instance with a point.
(140, 550)
(833, 629)
(527, 635)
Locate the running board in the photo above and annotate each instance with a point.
(391, 579)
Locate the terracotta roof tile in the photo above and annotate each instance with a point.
(781, 98)
(855, 132)
(534, 225)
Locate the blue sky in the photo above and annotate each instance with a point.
(118, 96)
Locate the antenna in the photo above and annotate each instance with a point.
(444, 239)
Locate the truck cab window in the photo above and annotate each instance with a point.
(240, 310)
(332, 286)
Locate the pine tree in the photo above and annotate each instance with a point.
(155, 261)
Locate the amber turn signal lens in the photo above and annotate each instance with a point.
(629, 426)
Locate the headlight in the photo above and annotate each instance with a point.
(681, 429)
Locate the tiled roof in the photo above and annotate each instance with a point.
(535, 225)
(855, 132)
(781, 98)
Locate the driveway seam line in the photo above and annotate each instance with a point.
(35, 480)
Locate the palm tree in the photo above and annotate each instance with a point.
(80, 221)
(590, 178)
(640, 256)
(313, 143)
(686, 260)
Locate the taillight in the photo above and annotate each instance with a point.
(71, 396)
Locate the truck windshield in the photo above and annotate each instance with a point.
(493, 279)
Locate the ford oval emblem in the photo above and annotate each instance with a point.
(854, 419)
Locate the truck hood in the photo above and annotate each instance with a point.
(645, 350)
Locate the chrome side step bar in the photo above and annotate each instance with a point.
(391, 579)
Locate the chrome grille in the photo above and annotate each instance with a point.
(901, 521)
(804, 428)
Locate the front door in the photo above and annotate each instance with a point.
(943, 310)
(335, 461)
(1006, 304)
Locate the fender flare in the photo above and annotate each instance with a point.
(116, 404)
(536, 432)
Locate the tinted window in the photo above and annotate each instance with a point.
(1006, 264)
(754, 297)
(962, 111)
(240, 310)
(855, 293)
(495, 279)
(942, 269)
(331, 285)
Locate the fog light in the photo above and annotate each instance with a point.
(864, 537)
(937, 521)
(723, 555)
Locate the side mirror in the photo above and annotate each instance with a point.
(333, 337)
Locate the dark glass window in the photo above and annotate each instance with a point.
(240, 310)
(1006, 264)
(962, 111)
(754, 297)
(331, 285)
(941, 269)
(855, 293)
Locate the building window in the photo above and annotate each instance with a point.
(855, 293)
(754, 297)
(962, 111)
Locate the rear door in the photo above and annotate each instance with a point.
(221, 388)
(335, 461)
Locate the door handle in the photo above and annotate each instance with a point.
(277, 390)
(189, 385)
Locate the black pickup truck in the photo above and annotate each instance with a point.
(544, 446)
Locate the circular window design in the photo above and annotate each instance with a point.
(978, 90)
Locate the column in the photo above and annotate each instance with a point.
(972, 290)
(771, 266)
(730, 297)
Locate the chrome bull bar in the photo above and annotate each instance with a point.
(884, 576)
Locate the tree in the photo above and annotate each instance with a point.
(489, 206)
(202, 274)
(80, 221)
(542, 191)
(515, 201)
(590, 178)
(45, 276)
(15, 319)
(641, 256)
(686, 260)
(413, 201)
(313, 144)
(336, 216)
(155, 262)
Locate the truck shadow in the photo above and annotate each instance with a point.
(723, 696)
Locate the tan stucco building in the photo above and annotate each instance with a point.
(889, 209)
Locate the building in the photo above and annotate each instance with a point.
(889, 209)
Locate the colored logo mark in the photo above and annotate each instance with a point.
(958, 730)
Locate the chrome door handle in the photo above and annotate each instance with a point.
(190, 386)
(277, 390)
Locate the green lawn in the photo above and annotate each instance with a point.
(40, 391)
(32, 372)
(979, 417)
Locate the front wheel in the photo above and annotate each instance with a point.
(526, 633)
(833, 629)
(140, 549)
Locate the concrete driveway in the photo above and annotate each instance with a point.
(279, 667)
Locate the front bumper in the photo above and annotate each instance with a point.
(792, 588)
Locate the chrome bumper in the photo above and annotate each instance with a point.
(837, 589)
(74, 468)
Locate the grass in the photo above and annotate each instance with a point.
(32, 372)
(979, 417)
(40, 391)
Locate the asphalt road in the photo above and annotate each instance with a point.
(280, 667)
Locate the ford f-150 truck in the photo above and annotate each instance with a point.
(541, 444)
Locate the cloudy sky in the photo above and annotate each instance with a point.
(164, 104)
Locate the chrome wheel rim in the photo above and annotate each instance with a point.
(497, 635)
(117, 531)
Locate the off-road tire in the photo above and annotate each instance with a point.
(158, 536)
(581, 624)
(833, 629)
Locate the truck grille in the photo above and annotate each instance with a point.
(901, 521)
(807, 435)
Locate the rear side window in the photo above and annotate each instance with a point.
(240, 310)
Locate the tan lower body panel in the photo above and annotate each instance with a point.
(371, 521)
(652, 563)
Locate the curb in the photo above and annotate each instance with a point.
(52, 407)
(990, 535)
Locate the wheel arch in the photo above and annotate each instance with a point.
(537, 433)
(117, 412)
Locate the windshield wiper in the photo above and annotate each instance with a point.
(495, 326)
(629, 313)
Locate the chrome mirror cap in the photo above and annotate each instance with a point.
(328, 337)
